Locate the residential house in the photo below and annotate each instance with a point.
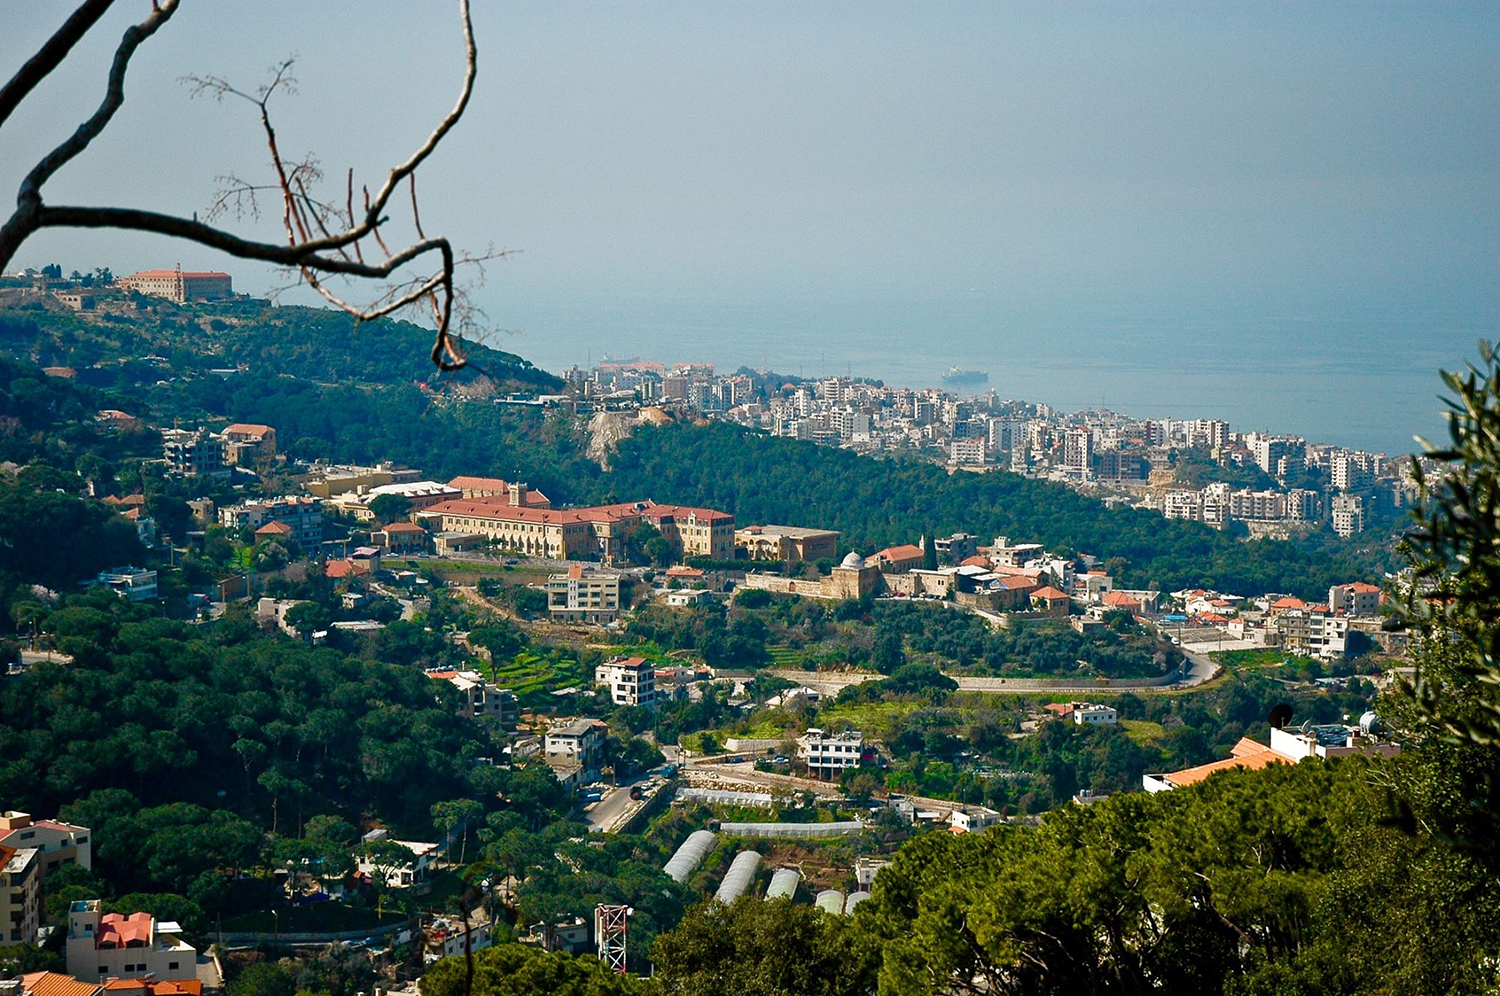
(403, 873)
(576, 744)
(110, 945)
(479, 698)
(1288, 745)
(134, 583)
(827, 755)
(631, 680)
(246, 444)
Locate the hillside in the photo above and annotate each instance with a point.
(159, 340)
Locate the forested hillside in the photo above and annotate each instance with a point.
(879, 502)
(161, 340)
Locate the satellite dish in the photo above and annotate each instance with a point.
(1307, 726)
(1281, 714)
(1369, 723)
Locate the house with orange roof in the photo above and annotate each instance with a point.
(1289, 745)
(1356, 599)
(900, 559)
(1118, 600)
(56, 984)
(1050, 601)
(245, 443)
(276, 530)
(400, 537)
(59, 843)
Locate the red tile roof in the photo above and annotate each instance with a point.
(1362, 587)
(343, 569)
(1262, 757)
(975, 561)
(274, 529)
(249, 429)
(121, 930)
(1120, 600)
(56, 984)
(176, 273)
(1049, 593)
(403, 527)
(1289, 603)
(906, 551)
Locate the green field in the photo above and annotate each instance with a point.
(876, 719)
(1142, 731)
(532, 677)
(1266, 657)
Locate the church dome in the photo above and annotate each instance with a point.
(853, 561)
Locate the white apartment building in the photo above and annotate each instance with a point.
(582, 595)
(1078, 453)
(110, 945)
(59, 843)
(134, 583)
(1348, 515)
(631, 680)
(20, 894)
(407, 872)
(1183, 505)
(970, 452)
(827, 755)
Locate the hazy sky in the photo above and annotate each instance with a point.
(1225, 159)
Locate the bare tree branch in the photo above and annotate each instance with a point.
(50, 55)
(311, 248)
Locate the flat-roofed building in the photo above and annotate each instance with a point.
(480, 699)
(585, 596)
(793, 544)
(827, 755)
(20, 894)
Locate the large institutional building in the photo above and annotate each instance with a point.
(584, 532)
(180, 285)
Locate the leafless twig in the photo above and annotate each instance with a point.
(321, 239)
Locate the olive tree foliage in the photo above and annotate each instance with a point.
(1453, 601)
(325, 239)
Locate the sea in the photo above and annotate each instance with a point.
(1365, 380)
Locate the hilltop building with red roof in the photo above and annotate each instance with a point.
(180, 285)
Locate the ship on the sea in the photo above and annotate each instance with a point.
(955, 377)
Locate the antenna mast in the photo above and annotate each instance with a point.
(610, 923)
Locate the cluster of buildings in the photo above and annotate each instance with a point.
(1129, 461)
(29, 850)
(201, 453)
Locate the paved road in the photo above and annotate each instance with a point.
(828, 683)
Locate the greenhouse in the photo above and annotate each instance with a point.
(784, 884)
(855, 898)
(830, 901)
(741, 874)
(690, 855)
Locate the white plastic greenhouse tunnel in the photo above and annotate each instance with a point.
(741, 873)
(690, 855)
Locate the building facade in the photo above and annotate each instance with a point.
(580, 595)
(631, 681)
(20, 894)
(180, 285)
(110, 945)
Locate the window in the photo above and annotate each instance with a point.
(172, 966)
